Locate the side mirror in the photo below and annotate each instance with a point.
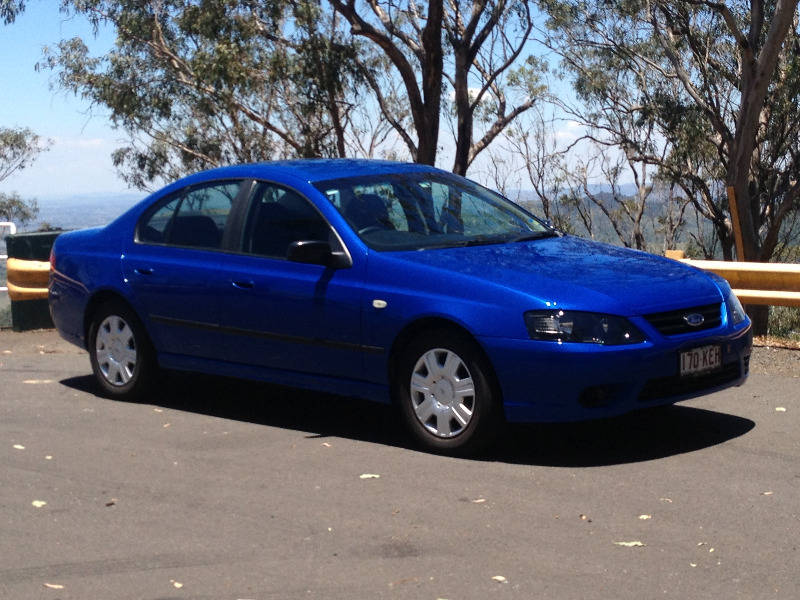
(316, 252)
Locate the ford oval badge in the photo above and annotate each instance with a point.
(694, 319)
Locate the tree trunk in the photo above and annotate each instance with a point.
(759, 315)
(432, 69)
(463, 114)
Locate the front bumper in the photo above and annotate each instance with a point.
(551, 382)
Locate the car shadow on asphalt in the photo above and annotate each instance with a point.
(639, 436)
(643, 435)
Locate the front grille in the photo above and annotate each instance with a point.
(673, 322)
(665, 387)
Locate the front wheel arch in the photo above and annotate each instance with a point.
(487, 408)
(419, 327)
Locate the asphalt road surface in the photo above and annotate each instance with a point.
(228, 490)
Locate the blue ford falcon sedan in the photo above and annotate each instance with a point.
(392, 282)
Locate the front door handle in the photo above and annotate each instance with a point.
(143, 271)
(243, 285)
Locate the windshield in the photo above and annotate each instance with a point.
(428, 210)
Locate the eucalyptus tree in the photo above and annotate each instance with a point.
(477, 49)
(19, 147)
(197, 84)
(9, 9)
(717, 84)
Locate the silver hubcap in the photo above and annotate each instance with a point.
(442, 393)
(116, 350)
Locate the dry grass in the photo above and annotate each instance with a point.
(769, 341)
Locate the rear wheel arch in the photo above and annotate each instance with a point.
(121, 353)
(99, 299)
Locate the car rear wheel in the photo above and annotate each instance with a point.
(122, 358)
(445, 391)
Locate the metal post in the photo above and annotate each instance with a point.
(12, 229)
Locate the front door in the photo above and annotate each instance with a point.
(285, 315)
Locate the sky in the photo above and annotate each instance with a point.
(78, 161)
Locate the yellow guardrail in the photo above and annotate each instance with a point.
(774, 284)
(27, 279)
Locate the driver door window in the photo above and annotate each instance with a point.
(277, 218)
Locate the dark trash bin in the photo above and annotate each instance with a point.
(27, 278)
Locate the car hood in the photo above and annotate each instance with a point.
(573, 273)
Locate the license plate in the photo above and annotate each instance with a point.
(700, 360)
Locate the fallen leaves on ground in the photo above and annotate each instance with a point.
(19, 447)
(39, 503)
(780, 409)
(369, 476)
(499, 579)
(54, 586)
(633, 544)
(176, 584)
(645, 517)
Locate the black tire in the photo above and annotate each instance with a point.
(435, 417)
(122, 357)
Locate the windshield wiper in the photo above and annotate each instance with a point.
(462, 243)
(539, 235)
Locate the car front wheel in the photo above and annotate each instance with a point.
(122, 359)
(446, 395)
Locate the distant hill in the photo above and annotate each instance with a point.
(76, 212)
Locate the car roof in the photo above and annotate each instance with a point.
(317, 169)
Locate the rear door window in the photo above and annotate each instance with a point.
(195, 218)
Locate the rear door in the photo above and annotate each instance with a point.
(176, 267)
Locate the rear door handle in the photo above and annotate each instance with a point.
(143, 271)
(243, 285)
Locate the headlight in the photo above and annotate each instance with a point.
(575, 326)
(736, 312)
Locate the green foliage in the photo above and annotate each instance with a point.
(16, 209)
(664, 83)
(18, 148)
(784, 322)
(9, 9)
(212, 82)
